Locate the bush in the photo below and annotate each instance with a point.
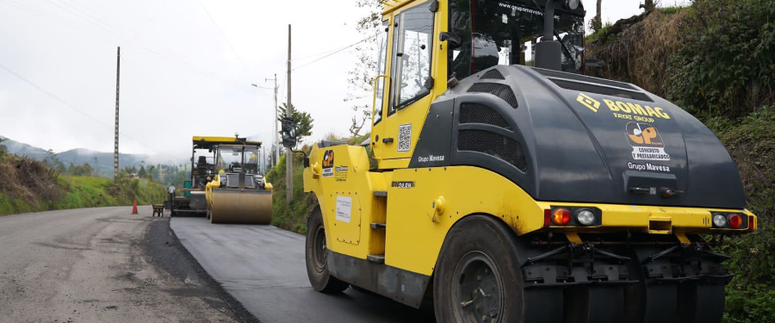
(751, 142)
(717, 60)
(294, 216)
(638, 49)
(726, 61)
(27, 185)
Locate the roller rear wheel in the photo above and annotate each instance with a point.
(316, 254)
(478, 278)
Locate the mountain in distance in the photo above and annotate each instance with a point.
(101, 161)
(22, 149)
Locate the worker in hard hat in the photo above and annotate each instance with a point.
(253, 158)
(252, 165)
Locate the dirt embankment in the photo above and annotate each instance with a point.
(715, 59)
(27, 185)
(638, 49)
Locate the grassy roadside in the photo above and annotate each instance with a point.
(751, 142)
(714, 58)
(293, 217)
(27, 185)
(89, 191)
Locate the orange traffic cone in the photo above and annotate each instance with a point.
(134, 207)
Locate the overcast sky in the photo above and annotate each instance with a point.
(187, 67)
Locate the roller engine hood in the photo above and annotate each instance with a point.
(567, 137)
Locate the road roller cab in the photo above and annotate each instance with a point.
(508, 187)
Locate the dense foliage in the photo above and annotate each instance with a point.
(27, 185)
(292, 217)
(751, 142)
(726, 61)
(716, 59)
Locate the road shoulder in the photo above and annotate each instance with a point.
(164, 250)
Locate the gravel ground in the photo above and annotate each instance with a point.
(104, 265)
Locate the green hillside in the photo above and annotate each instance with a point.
(27, 185)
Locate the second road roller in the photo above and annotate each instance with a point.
(506, 186)
(226, 184)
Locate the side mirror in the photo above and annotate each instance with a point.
(288, 132)
(453, 40)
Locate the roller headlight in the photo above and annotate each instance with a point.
(720, 220)
(585, 217)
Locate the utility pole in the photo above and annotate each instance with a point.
(288, 152)
(115, 138)
(274, 124)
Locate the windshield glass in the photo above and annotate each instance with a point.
(230, 159)
(505, 33)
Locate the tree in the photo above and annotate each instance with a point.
(128, 171)
(141, 173)
(597, 22)
(3, 149)
(303, 122)
(53, 162)
(361, 77)
(83, 170)
(649, 6)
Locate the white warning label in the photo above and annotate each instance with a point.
(650, 153)
(343, 208)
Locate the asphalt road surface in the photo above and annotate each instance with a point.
(263, 268)
(103, 265)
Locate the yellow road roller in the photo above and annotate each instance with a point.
(506, 186)
(226, 184)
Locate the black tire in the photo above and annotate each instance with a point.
(478, 278)
(316, 256)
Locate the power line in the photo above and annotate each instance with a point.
(23, 7)
(148, 22)
(118, 32)
(115, 31)
(60, 100)
(335, 52)
(99, 23)
(96, 16)
(327, 51)
(181, 62)
(224, 37)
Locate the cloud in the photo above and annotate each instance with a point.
(179, 77)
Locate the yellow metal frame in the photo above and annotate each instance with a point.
(223, 140)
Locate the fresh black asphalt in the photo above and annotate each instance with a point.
(263, 268)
